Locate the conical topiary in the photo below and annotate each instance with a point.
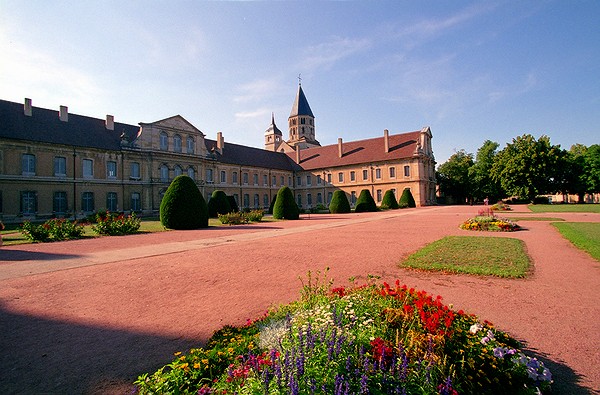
(407, 199)
(183, 206)
(339, 203)
(272, 204)
(233, 204)
(389, 200)
(365, 202)
(285, 206)
(218, 204)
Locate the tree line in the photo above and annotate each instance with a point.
(525, 168)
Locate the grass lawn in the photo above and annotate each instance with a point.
(489, 256)
(515, 219)
(565, 208)
(584, 235)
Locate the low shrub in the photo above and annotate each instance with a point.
(407, 199)
(111, 224)
(389, 201)
(365, 202)
(339, 203)
(236, 218)
(373, 339)
(255, 215)
(52, 230)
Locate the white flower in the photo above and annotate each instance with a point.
(475, 328)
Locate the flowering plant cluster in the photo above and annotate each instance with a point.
(239, 218)
(111, 224)
(376, 339)
(488, 221)
(500, 206)
(52, 230)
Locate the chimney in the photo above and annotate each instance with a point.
(27, 107)
(298, 148)
(386, 140)
(110, 122)
(340, 148)
(220, 142)
(63, 115)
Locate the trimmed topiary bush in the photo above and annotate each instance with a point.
(389, 201)
(285, 206)
(233, 204)
(272, 204)
(407, 199)
(339, 203)
(365, 202)
(218, 204)
(183, 206)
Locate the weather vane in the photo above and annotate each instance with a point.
(299, 79)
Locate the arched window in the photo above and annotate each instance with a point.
(177, 143)
(189, 142)
(178, 170)
(191, 173)
(164, 173)
(164, 141)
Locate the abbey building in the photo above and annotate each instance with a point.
(53, 163)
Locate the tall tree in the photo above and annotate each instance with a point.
(480, 173)
(528, 167)
(453, 176)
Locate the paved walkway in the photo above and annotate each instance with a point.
(88, 316)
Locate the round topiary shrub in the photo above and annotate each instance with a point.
(339, 203)
(389, 201)
(285, 206)
(183, 206)
(365, 202)
(407, 199)
(218, 204)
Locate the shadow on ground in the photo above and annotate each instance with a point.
(18, 255)
(53, 357)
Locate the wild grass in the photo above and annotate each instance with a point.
(584, 235)
(487, 256)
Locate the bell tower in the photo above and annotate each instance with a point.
(273, 136)
(301, 122)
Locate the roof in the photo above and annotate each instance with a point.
(242, 155)
(362, 151)
(45, 126)
(273, 129)
(301, 106)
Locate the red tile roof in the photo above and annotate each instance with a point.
(356, 152)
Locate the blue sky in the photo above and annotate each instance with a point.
(471, 70)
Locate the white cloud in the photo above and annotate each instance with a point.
(326, 54)
(258, 90)
(529, 82)
(260, 113)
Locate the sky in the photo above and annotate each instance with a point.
(470, 70)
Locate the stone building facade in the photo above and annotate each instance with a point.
(53, 163)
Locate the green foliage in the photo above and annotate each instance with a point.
(407, 199)
(233, 204)
(365, 202)
(218, 204)
(52, 230)
(236, 218)
(285, 206)
(389, 201)
(183, 206)
(339, 203)
(453, 176)
(108, 224)
(482, 184)
(528, 167)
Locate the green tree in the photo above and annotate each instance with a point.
(407, 199)
(482, 183)
(591, 168)
(528, 167)
(389, 200)
(339, 203)
(183, 206)
(285, 206)
(453, 176)
(218, 204)
(365, 202)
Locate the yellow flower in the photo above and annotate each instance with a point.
(177, 353)
(230, 350)
(205, 361)
(196, 365)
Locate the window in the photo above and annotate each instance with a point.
(274, 180)
(282, 180)
(111, 201)
(255, 178)
(164, 141)
(135, 170)
(299, 180)
(164, 173)
(59, 202)
(329, 178)
(290, 181)
(394, 192)
(309, 199)
(379, 195)
(191, 173)
(28, 165)
(265, 200)
(28, 202)
(245, 175)
(407, 171)
(190, 145)
(136, 202)
(392, 172)
(209, 175)
(256, 200)
(111, 169)
(319, 180)
(341, 177)
(329, 196)
(365, 175)
(177, 171)
(234, 176)
(308, 180)
(352, 176)
(265, 179)
(299, 200)
(378, 174)
(60, 166)
(246, 200)
(87, 201)
(353, 198)
(236, 197)
(88, 168)
(223, 177)
(319, 198)
(177, 143)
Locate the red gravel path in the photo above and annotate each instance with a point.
(88, 316)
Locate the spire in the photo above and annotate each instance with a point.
(273, 128)
(301, 106)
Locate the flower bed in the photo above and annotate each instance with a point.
(486, 220)
(500, 206)
(365, 340)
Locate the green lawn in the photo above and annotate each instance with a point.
(565, 208)
(584, 235)
(489, 256)
(551, 219)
